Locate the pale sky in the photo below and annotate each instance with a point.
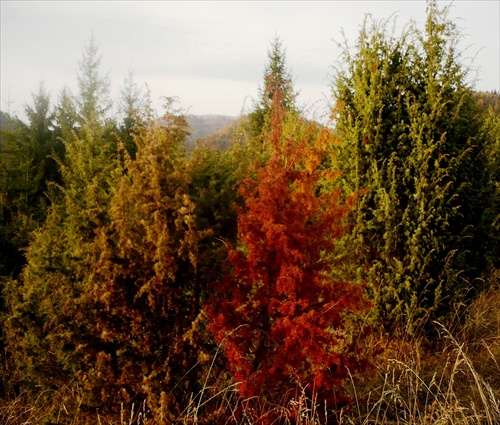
(211, 55)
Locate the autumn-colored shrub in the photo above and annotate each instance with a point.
(278, 313)
(144, 285)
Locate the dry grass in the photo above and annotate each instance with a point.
(442, 388)
(47, 408)
(455, 381)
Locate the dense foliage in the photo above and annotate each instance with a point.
(145, 290)
(138, 270)
(411, 140)
(278, 313)
(48, 320)
(28, 167)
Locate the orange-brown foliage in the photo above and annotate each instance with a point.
(278, 313)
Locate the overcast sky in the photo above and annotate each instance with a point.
(209, 54)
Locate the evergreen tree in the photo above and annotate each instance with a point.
(48, 317)
(90, 107)
(276, 78)
(93, 102)
(15, 166)
(66, 117)
(26, 169)
(214, 175)
(133, 106)
(145, 286)
(412, 151)
(490, 131)
(41, 122)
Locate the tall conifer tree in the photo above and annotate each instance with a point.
(47, 317)
(410, 141)
(133, 107)
(93, 102)
(26, 169)
(277, 77)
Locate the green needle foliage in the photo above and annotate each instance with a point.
(412, 145)
(276, 78)
(93, 101)
(490, 131)
(26, 168)
(47, 320)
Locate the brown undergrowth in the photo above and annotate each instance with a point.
(455, 380)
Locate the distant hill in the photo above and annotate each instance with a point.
(3, 120)
(225, 136)
(486, 100)
(205, 125)
(6, 124)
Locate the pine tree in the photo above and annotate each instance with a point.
(133, 106)
(93, 102)
(276, 78)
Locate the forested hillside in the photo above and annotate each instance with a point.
(278, 270)
(205, 125)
